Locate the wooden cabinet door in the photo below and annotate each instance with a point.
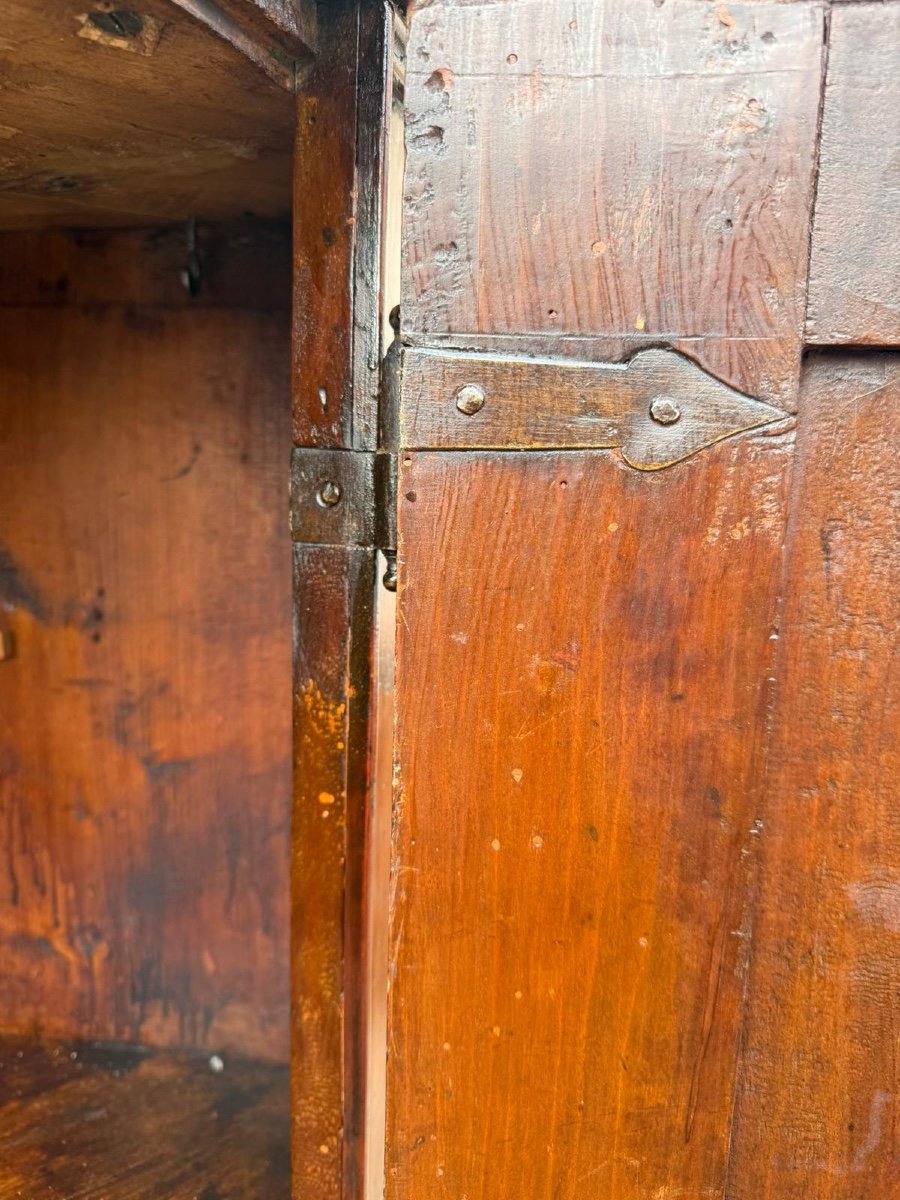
(643, 918)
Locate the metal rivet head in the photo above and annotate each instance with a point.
(469, 399)
(328, 495)
(664, 410)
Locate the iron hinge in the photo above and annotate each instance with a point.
(655, 411)
(345, 497)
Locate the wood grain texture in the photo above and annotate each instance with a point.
(244, 264)
(334, 589)
(581, 697)
(854, 286)
(339, 177)
(280, 36)
(145, 740)
(339, 314)
(100, 131)
(588, 177)
(248, 31)
(820, 1089)
(108, 1123)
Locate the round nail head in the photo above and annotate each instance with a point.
(328, 495)
(469, 399)
(664, 410)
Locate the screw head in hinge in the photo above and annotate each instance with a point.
(328, 495)
(470, 399)
(664, 410)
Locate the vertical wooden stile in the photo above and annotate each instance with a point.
(343, 119)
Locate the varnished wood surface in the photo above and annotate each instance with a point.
(819, 1086)
(854, 287)
(334, 589)
(145, 742)
(340, 311)
(243, 264)
(342, 109)
(583, 664)
(167, 124)
(108, 1123)
(586, 177)
(279, 36)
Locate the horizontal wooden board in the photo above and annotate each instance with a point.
(108, 1123)
(588, 177)
(241, 264)
(820, 1082)
(582, 681)
(854, 286)
(168, 123)
(145, 744)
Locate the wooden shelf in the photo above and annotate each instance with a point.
(125, 1124)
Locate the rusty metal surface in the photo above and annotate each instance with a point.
(333, 497)
(656, 409)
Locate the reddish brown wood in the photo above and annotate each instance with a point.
(339, 315)
(145, 578)
(582, 684)
(339, 179)
(819, 1093)
(854, 286)
(245, 28)
(333, 594)
(244, 264)
(585, 178)
(279, 36)
(100, 130)
(108, 1123)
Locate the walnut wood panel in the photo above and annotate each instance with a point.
(820, 1086)
(123, 1124)
(586, 177)
(163, 124)
(145, 741)
(582, 681)
(854, 287)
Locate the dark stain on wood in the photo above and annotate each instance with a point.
(17, 590)
(145, 792)
(110, 1123)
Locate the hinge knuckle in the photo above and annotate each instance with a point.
(342, 497)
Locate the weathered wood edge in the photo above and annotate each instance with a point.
(339, 185)
(279, 37)
(338, 312)
(334, 591)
